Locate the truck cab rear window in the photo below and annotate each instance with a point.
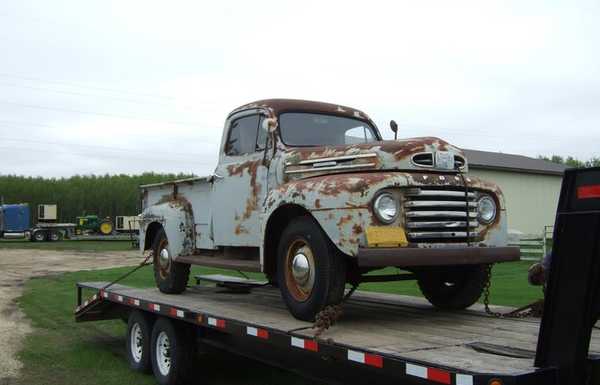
(242, 136)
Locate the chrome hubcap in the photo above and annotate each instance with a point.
(164, 257)
(163, 354)
(301, 269)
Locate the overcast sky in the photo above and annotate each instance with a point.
(132, 86)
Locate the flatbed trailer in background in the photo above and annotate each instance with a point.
(383, 338)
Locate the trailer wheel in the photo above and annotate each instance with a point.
(311, 273)
(38, 236)
(453, 288)
(139, 329)
(171, 277)
(172, 352)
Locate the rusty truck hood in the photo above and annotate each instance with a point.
(406, 154)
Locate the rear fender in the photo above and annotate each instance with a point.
(177, 219)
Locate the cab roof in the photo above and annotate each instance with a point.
(278, 106)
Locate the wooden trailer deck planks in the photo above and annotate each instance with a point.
(392, 325)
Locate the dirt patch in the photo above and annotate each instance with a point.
(17, 266)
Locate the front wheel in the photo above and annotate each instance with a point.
(311, 273)
(170, 276)
(453, 287)
(139, 328)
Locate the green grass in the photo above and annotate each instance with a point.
(68, 245)
(61, 351)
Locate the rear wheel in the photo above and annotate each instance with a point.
(453, 287)
(38, 236)
(311, 273)
(106, 228)
(171, 277)
(54, 236)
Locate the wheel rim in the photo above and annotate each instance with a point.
(164, 258)
(163, 353)
(105, 228)
(300, 270)
(137, 342)
(54, 236)
(39, 236)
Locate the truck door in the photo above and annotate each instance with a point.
(239, 185)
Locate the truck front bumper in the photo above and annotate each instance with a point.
(413, 256)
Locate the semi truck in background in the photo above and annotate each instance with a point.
(15, 223)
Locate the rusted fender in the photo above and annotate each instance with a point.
(176, 217)
(341, 203)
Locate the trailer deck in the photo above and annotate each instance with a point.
(402, 334)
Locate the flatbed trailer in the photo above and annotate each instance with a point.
(385, 338)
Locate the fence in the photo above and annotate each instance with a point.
(534, 248)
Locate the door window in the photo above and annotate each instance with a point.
(242, 136)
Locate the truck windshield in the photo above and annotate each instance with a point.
(307, 129)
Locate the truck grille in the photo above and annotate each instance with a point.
(440, 215)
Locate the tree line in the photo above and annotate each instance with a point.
(571, 161)
(102, 195)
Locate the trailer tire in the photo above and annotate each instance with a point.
(172, 352)
(171, 277)
(139, 331)
(453, 287)
(311, 272)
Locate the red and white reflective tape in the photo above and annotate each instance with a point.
(134, 302)
(154, 306)
(174, 312)
(365, 358)
(120, 298)
(256, 332)
(431, 374)
(305, 344)
(218, 323)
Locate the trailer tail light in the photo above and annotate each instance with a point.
(495, 381)
(588, 192)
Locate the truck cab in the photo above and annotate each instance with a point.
(310, 194)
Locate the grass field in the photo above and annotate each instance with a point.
(63, 352)
(68, 245)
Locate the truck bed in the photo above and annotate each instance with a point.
(391, 326)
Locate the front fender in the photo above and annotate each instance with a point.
(339, 203)
(177, 219)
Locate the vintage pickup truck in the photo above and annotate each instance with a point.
(310, 194)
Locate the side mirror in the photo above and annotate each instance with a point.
(394, 127)
(269, 125)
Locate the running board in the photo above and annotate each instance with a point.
(221, 262)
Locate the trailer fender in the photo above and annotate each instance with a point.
(176, 217)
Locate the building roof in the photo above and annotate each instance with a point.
(510, 162)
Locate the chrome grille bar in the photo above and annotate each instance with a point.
(440, 214)
(441, 234)
(438, 193)
(417, 204)
(440, 224)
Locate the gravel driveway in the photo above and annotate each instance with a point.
(19, 265)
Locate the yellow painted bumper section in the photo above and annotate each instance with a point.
(386, 236)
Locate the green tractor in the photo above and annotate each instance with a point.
(93, 224)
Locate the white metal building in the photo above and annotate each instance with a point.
(531, 187)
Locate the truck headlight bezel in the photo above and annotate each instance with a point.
(487, 209)
(386, 207)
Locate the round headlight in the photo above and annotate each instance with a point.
(486, 209)
(386, 207)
